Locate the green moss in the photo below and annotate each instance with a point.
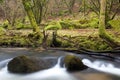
(92, 43)
(94, 23)
(5, 24)
(35, 39)
(66, 44)
(53, 26)
(20, 25)
(115, 24)
(79, 24)
(20, 41)
(73, 63)
(28, 8)
(66, 24)
(27, 4)
(83, 21)
(74, 24)
(70, 24)
(2, 31)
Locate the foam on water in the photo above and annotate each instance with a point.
(102, 66)
(55, 73)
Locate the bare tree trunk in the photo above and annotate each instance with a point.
(102, 24)
(70, 5)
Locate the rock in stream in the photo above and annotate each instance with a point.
(73, 63)
(25, 64)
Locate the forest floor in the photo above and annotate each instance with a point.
(72, 32)
(88, 38)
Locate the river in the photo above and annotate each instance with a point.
(99, 69)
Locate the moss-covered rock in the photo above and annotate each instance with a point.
(25, 64)
(73, 63)
(22, 64)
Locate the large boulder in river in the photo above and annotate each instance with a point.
(73, 63)
(25, 64)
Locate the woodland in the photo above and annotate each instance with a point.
(89, 24)
(59, 39)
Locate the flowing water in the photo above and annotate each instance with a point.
(55, 73)
(103, 70)
(102, 66)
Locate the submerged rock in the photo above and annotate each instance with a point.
(25, 64)
(73, 63)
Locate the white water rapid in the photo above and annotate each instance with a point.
(55, 73)
(102, 66)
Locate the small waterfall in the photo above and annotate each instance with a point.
(55, 73)
(4, 63)
(102, 66)
(58, 63)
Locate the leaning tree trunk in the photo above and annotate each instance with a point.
(102, 32)
(28, 8)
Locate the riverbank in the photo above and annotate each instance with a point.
(87, 38)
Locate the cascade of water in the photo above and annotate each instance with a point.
(55, 73)
(102, 66)
(4, 63)
(58, 63)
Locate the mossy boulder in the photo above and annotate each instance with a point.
(25, 64)
(73, 63)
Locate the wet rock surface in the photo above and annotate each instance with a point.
(73, 63)
(25, 64)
